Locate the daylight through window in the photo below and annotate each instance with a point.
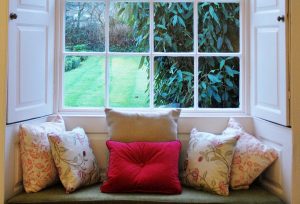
(152, 54)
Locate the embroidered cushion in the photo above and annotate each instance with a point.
(251, 157)
(208, 163)
(142, 127)
(149, 167)
(37, 163)
(74, 159)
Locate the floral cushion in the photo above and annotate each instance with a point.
(208, 162)
(251, 157)
(38, 166)
(74, 159)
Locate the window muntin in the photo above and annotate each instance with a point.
(192, 96)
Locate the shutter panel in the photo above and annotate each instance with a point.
(268, 61)
(30, 59)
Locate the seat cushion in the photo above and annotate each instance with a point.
(57, 195)
(149, 167)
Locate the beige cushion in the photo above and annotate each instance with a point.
(142, 127)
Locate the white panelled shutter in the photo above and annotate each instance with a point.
(268, 61)
(31, 59)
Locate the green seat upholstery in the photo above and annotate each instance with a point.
(92, 194)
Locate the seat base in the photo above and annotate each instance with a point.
(56, 194)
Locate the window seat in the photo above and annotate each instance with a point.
(256, 194)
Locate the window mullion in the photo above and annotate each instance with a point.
(151, 39)
(219, 54)
(62, 57)
(107, 6)
(196, 60)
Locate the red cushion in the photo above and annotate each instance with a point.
(148, 167)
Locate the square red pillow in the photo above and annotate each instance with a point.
(148, 167)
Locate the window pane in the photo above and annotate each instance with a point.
(84, 26)
(84, 81)
(129, 81)
(219, 82)
(129, 27)
(173, 30)
(219, 27)
(174, 82)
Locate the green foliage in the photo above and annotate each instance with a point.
(84, 25)
(218, 76)
(174, 82)
(173, 32)
(129, 33)
(71, 62)
(219, 82)
(218, 27)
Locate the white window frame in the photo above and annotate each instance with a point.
(195, 111)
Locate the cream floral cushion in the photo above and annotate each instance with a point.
(208, 162)
(37, 163)
(251, 157)
(74, 159)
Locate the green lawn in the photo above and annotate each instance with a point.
(84, 86)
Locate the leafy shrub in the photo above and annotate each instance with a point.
(218, 32)
(218, 82)
(72, 62)
(174, 82)
(218, 27)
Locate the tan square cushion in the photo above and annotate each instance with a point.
(142, 127)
